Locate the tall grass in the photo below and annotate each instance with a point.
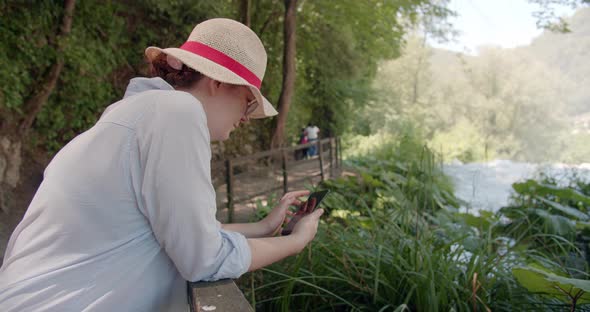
(393, 240)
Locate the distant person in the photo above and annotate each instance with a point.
(312, 133)
(125, 214)
(302, 153)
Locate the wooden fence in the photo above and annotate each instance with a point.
(328, 158)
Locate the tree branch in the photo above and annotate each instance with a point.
(34, 104)
(272, 16)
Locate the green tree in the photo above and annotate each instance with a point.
(62, 67)
(548, 19)
(335, 75)
(505, 102)
(288, 86)
(16, 122)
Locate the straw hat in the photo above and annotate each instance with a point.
(227, 51)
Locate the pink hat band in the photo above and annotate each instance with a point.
(222, 59)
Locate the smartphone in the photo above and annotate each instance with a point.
(313, 201)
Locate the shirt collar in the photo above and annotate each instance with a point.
(141, 84)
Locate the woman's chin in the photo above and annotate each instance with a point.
(220, 138)
(222, 135)
(225, 136)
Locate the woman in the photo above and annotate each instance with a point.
(125, 214)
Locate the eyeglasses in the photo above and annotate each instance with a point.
(251, 107)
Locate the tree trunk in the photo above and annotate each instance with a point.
(12, 137)
(245, 12)
(288, 86)
(10, 162)
(34, 105)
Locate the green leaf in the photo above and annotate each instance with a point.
(565, 209)
(537, 280)
(554, 224)
(533, 187)
(481, 222)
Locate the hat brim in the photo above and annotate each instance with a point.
(217, 72)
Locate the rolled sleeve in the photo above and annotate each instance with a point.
(236, 257)
(176, 194)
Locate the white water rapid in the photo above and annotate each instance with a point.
(488, 186)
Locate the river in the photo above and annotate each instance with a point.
(488, 186)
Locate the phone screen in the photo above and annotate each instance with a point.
(313, 201)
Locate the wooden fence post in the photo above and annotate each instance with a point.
(331, 158)
(229, 176)
(285, 173)
(336, 151)
(321, 159)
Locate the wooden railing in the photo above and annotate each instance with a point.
(223, 295)
(329, 146)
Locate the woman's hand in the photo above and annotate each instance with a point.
(268, 250)
(274, 220)
(306, 228)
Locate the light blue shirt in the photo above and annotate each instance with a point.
(125, 214)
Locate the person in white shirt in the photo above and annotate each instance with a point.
(125, 214)
(312, 133)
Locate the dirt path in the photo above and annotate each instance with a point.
(305, 173)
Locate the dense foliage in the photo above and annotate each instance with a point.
(105, 49)
(394, 240)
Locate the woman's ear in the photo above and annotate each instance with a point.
(174, 62)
